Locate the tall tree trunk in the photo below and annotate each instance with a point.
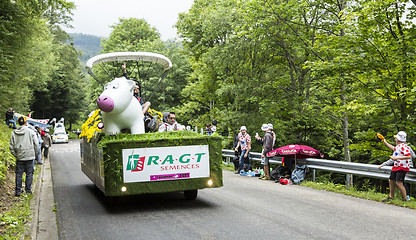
(345, 137)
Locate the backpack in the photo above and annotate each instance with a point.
(248, 167)
(279, 172)
(298, 174)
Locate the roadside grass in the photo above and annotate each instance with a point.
(15, 212)
(72, 135)
(14, 222)
(229, 167)
(369, 194)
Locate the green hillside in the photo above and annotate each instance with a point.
(89, 45)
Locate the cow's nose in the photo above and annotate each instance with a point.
(105, 103)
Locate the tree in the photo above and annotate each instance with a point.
(64, 93)
(249, 67)
(137, 35)
(374, 57)
(25, 50)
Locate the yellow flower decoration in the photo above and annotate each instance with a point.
(89, 131)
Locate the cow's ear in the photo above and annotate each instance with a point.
(132, 84)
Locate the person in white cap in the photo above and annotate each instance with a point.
(401, 158)
(245, 144)
(271, 130)
(267, 142)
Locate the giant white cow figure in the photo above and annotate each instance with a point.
(120, 109)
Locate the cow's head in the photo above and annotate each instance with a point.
(116, 96)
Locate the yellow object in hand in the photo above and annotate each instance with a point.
(380, 136)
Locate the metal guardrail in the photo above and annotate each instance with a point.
(361, 169)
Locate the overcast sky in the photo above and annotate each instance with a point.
(95, 17)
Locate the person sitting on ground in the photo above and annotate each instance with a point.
(171, 124)
(10, 118)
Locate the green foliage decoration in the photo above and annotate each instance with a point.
(112, 146)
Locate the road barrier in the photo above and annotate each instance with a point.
(361, 169)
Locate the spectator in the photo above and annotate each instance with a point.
(274, 134)
(47, 142)
(137, 91)
(400, 158)
(24, 146)
(171, 124)
(214, 126)
(208, 129)
(39, 135)
(390, 162)
(10, 118)
(237, 152)
(245, 144)
(137, 94)
(267, 142)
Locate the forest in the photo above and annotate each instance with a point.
(327, 74)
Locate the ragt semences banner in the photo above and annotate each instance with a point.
(165, 163)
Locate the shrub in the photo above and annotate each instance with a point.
(6, 158)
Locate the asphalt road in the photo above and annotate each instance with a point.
(245, 208)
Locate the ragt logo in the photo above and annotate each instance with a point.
(135, 163)
(165, 163)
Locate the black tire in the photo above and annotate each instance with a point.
(190, 194)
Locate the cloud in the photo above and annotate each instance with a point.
(96, 16)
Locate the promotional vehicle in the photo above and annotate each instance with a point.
(59, 137)
(124, 154)
(162, 162)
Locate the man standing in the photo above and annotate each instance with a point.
(267, 142)
(171, 124)
(245, 144)
(24, 146)
(401, 158)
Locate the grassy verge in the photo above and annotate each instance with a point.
(370, 194)
(14, 221)
(15, 212)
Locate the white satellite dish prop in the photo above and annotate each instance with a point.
(148, 57)
(129, 56)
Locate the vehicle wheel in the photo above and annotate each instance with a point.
(190, 194)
